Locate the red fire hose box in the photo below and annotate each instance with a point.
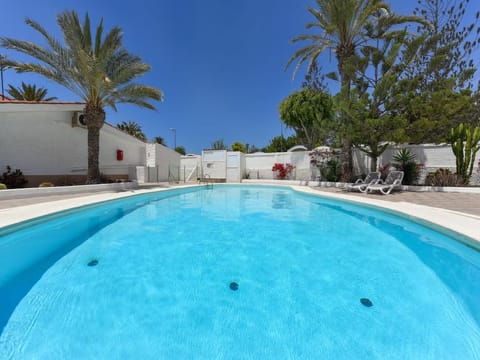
(119, 155)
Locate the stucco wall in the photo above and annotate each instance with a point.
(259, 165)
(40, 141)
(190, 167)
(214, 164)
(161, 162)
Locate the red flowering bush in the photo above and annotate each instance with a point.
(282, 170)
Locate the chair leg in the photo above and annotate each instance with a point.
(389, 189)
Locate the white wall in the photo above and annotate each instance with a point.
(190, 167)
(39, 139)
(214, 164)
(259, 165)
(162, 162)
(41, 142)
(432, 156)
(235, 166)
(45, 143)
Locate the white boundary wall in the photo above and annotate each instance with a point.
(190, 167)
(214, 164)
(235, 166)
(259, 165)
(432, 157)
(162, 163)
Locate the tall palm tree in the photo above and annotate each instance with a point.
(95, 67)
(343, 26)
(29, 92)
(132, 128)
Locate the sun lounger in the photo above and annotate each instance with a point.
(393, 181)
(361, 184)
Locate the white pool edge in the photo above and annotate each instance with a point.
(466, 226)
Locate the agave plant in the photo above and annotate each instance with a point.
(405, 161)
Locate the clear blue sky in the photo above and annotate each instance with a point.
(220, 63)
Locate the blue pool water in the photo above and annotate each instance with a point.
(161, 287)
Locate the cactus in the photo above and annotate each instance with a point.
(465, 141)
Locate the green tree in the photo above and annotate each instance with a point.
(132, 128)
(447, 51)
(95, 67)
(314, 79)
(373, 101)
(219, 145)
(343, 25)
(29, 92)
(159, 140)
(280, 144)
(181, 150)
(238, 146)
(431, 114)
(439, 96)
(251, 149)
(310, 114)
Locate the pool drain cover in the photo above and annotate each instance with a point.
(366, 302)
(93, 262)
(233, 286)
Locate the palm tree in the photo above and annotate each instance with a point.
(97, 68)
(29, 92)
(159, 140)
(343, 28)
(132, 128)
(343, 25)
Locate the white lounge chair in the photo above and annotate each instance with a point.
(361, 184)
(393, 181)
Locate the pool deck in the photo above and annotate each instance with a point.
(458, 212)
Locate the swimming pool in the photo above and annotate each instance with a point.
(236, 272)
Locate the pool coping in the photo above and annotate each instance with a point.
(464, 227)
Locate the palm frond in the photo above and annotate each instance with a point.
(135, 94)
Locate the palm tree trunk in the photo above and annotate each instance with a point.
(95, 119)
(346, 160)
(93, 176)
(344, 53)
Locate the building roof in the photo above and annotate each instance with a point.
(6, 99)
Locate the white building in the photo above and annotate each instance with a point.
(48, 142)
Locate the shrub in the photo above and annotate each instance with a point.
(465, 141)
(331, 171)
(405, 161)
(3, 186)
(283, 170)
(46, 184)
(328, 163)
(443, 177)
(13, 179)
